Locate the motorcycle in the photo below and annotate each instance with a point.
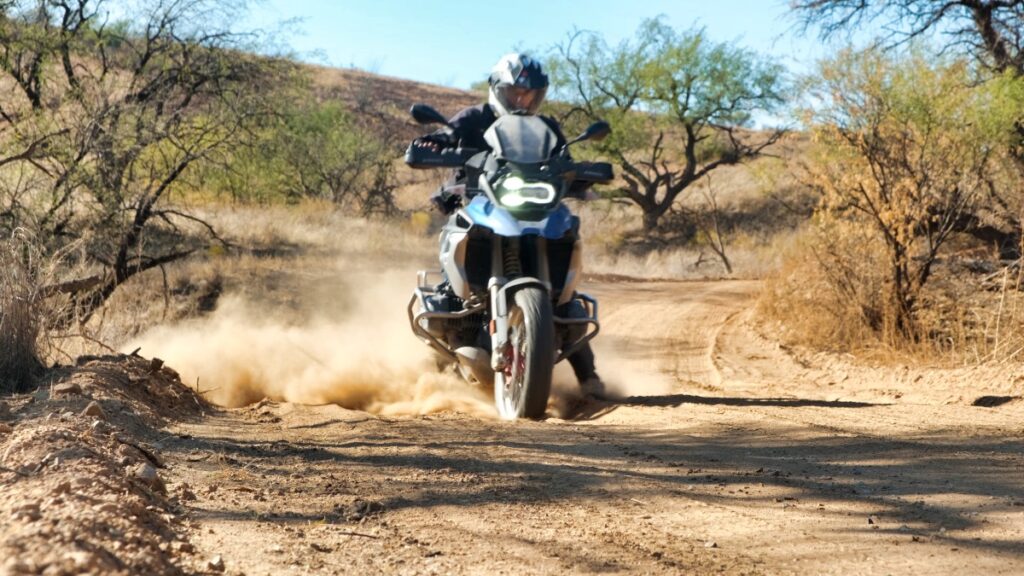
(511, 258)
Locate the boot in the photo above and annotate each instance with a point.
(582, 362)
(593, 387)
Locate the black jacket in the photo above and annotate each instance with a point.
(467, 131)
(469, 125)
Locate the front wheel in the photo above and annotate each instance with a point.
(522, 388)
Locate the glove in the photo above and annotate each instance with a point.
(437, 141)
(579, 189)
(446, 202)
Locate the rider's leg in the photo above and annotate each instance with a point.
(582, 361)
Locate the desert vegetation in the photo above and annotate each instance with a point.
(811, 303)
(879, 196)
(915, 243)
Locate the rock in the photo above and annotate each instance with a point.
(146, 473)
(62, 488)
(82, 561)
(5, 428)
(183, 548)
(67, 389)
(94, 410)
(711, 544)
(216, 564)
(321, 547)
(16, 566)
(106, 508)
(155, 364)
(361, 509)
(28, 512)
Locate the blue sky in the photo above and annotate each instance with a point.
(455, 42)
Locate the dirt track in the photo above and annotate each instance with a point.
(742, 460)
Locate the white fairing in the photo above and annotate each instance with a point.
(573, 275)
(453, 260)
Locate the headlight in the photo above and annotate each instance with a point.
(513, 192)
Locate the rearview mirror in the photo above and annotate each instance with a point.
(596, 131)
(424, 114)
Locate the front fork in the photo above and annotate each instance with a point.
(505, 259)
(501, 291)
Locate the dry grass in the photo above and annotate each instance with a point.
(805, 299)
(830, 293)
(20, 314)
(754, 224)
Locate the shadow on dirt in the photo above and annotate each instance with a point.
(929, 485)
(592, 410)
(680, 399)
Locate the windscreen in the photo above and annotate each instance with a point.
(521, 139)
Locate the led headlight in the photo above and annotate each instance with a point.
(513, 192)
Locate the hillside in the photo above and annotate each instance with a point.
(352, 85)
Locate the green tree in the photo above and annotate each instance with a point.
(678, 104)
(315, 149)
(989, 31)
(904, 147)
(328, 156)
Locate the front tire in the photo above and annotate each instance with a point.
(522, 389)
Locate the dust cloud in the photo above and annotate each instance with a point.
(362, 356)
(356, 350)
(624, 378)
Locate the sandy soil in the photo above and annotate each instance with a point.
(731, 455)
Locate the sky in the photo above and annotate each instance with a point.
(455, 42)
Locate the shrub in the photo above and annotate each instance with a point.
(20, 318)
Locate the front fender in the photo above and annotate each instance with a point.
(501, 295)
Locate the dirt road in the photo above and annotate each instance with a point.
(736, 458)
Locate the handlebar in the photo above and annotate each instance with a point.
(422, 157)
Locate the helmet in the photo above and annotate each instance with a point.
(518, 85)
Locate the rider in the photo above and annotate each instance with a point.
(517, 85)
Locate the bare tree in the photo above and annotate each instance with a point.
(115, 124)
(708, 219)
(993, 30)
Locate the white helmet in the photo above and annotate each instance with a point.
(518, 85)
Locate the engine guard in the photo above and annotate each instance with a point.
(417, 328)
(590, 305)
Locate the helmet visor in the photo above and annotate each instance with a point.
(520, 100)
